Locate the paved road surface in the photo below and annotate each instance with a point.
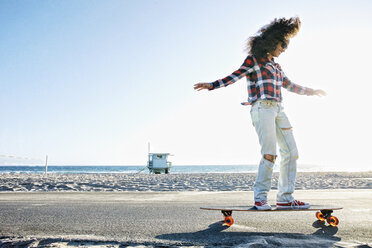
(174, 219)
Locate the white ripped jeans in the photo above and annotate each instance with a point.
(269, 121)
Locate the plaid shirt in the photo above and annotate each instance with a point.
(265, 79)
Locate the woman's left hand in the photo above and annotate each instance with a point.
(202, 86)
(319, 93)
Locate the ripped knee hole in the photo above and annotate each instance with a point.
(287, 128)
(270, 157)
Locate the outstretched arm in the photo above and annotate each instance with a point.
(244, 70)
(301, 90)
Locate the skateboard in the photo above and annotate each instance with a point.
(322, 212)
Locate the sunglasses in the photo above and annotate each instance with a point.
(284, 44)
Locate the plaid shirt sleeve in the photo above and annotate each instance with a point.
(244, 70)
(301, 90)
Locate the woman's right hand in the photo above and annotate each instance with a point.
(319, 93)
(202, 86)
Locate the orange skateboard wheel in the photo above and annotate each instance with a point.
(320, 216)
(332, 220)
(229, 221)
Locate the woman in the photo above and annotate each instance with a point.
(265, 81)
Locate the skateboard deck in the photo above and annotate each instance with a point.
(323, 212)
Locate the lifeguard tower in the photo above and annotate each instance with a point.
(158, 163)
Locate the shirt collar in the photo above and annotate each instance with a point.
(265, 60)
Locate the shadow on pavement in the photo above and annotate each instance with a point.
(324, 230)
(218, 234)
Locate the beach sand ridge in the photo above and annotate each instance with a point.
(121, 182)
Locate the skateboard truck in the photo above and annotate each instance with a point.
(228, 218)
(326, 214)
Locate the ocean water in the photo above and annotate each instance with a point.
(127, 169)
(177, 169)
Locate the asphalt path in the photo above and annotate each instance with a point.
(175, 219)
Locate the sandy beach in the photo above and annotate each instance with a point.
(131, 210)
(118, 182)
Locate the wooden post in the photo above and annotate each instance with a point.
(46, 165)
(148, 157)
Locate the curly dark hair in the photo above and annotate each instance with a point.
(269, 36)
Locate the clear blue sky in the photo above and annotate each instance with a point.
(91, 82)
